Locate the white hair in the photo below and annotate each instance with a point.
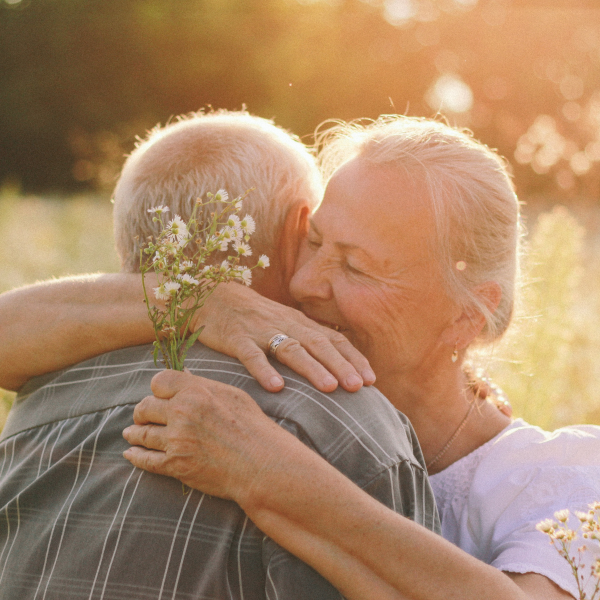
(205, 152)
(474, 206)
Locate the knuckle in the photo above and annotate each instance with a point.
(320, 342)
(250, 353)
(290, 347)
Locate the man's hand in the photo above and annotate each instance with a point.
(240, 322)
(209, 435)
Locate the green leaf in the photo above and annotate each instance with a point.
(191, 340)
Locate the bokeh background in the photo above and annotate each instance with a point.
(80, 79)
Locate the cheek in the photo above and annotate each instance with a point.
(370, 311)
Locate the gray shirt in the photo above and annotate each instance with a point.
(78, 521)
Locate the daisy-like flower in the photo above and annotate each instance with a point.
(178, 231)
(172, 287)
(562, 515)
(225, 266)
(242, 248)
(188, 280)
(263, 261)
(160, 293)
(229, 233)
(233, 221)
(158, 209)
(222, 196)
(238, 205)
(545, 526)
(248, 225)
(185, 265)
(244, 274)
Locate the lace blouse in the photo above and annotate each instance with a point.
(491, 500)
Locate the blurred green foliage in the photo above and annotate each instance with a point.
(548, 363)
(81, 78)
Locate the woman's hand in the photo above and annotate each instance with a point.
(239, 322)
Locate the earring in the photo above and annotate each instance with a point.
(455, 353)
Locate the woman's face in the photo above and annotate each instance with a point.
(367, 267)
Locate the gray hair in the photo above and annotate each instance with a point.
(205, 152)
(474, 205)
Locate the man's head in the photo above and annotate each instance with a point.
(234, 151)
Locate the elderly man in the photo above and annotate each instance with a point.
(78, 521)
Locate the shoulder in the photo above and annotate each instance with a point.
(348, 429)
(492, 499)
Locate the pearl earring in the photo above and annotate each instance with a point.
(455, 353)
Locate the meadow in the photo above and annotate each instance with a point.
(547, 364)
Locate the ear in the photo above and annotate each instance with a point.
(295, 229)
(470, 322)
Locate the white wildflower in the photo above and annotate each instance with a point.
(186, 264)
(222, 195)
(263, 261)
(172, 287)
(160, 293)
(188, 280)
(248, 225)
(562, 515)
(238, 205)
(233, 221)
(242, 248)
(545, 526)
(159, 209)
(178, 231)
(229, 233)
(244, 274)
(225, 266)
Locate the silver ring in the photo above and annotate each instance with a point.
(275, 341)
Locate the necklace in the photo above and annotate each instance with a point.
(452, 437)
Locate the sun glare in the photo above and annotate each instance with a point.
(450, 94)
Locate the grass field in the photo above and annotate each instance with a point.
(547, 364)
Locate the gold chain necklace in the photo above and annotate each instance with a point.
(452, 437)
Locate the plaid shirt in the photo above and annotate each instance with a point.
(78, 521)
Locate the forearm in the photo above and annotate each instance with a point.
(50, 326)
(355, 542)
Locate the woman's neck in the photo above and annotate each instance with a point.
(440, 407)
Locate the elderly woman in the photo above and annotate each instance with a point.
(413, 257)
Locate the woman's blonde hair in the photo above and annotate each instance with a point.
(475, 208)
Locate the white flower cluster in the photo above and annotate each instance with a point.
(179, 256)
(562, 536)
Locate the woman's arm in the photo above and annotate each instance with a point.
(52, 325)
(215, 438)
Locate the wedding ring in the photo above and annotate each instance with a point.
(275, 341)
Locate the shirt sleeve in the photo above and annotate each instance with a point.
(404, 487)
(523, 484)
(288, 578)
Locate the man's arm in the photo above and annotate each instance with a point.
(53, 325)
(214, 437)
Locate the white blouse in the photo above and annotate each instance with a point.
(491, 500)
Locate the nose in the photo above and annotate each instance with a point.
(310, 281)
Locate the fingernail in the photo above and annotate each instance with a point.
(329, 380)
(353, 380)
(126, 431)
(276, 382)
(368, 376)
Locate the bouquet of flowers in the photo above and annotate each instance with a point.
(181, 257)
(562, 536)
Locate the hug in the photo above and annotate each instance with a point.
(332, 432)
